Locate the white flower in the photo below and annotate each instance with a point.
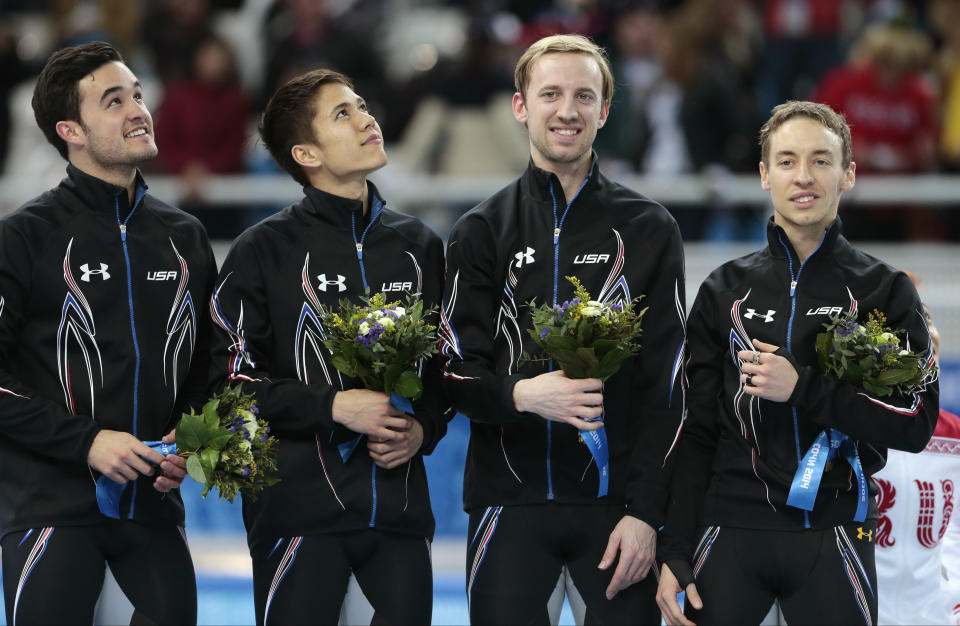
(590, 311)
(399, 311)
(889, 337)
(364, 328)
(244, 445)
(904, 352)
(249, 422)
(594, 303)
(386, 322)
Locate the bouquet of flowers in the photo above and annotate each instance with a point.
(587, 338)
(228, 445)
(870, 356)
(381, 343)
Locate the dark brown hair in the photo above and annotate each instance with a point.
(57, 94)
(288, 118)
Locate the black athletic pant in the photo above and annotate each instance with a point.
(820, 576)
(54, 575)
(303, 580)
(515, 555)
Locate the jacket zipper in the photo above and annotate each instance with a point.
(794, 279)
(133, 326)
(557, 227)
(375, 211)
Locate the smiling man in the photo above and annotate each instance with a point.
(739, 535)
(334, 513)
(539, 502)
(96, 357)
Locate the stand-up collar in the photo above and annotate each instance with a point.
(97, 193)
(337, 210)
(536, 182)
(777, 239)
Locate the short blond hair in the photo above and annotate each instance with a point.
(575, 44)
(815, 111)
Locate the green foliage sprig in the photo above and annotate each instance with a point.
(587, 338)
(228, 446)
(381, 343)
(870, 356)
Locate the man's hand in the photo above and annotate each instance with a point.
(120, 456)
(390, 454)
(555, 397)
(173, 468)
(667, 599)
(369, 413)
(637, 542)
(773, 378)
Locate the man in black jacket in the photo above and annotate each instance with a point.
(747, 519)
(333, 514)
(534, 492)
(99, 287)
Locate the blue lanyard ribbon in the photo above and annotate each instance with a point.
(109, 492)
(826, 448)
(347, 447)
(596, 441)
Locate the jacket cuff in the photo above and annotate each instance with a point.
(801, 391)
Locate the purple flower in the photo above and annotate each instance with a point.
(616, 307)
(262, 437)
(575, 301)
(255, 409)
(233, 413)
(544, 333)
(233, 429)
(246, 434)
(267, 430)
(246, 471)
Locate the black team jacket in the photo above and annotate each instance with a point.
(268, 336)
(518, 246)
(738, 454)
(102, 307)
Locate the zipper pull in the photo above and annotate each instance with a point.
(556, 235)
(123, 232)
(793, 287)
(360, 251)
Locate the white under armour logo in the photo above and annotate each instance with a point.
(750, 314)
(85, 268)
(524, 257)
(341, 285)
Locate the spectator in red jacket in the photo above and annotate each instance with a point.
(202, 121)
(889, 104)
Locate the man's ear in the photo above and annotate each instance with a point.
(849, 177)
(604, 113)
(519, 108)
(306, 154)
(71, 132)
(764, 181)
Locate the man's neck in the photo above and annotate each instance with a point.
(571, 175)
(121, 176)
(354, 189)
(804, 240)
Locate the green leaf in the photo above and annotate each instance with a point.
(220, 438)
(588, 357)
(208, 459)
(408, 385)
(192, 432)
(210, 416)
(556, 341)
(195, 470)
(875, 389)
(603, 347)
(390, 376)
(344, 365)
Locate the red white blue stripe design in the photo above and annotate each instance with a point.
(856, 572)
(181, 325)
(36, 553)
(78, 331)
(239, 355)
(286, 563)
(484, 533)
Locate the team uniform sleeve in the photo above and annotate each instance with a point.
(659, 386)
(40, 424)
(242, 350)
(697, 445)
(431, 409)
(901, 422)
(467, 328)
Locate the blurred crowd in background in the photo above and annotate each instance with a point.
(694, 80)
